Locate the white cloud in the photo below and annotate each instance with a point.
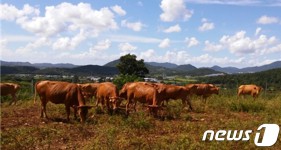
(135, 39)
(101, 46)
(147, 55)
(165, 43)
(241, 44)
(212, 47)
(10, 12)
(136, 26)
(206, 25)
(238, 43)
(191, 41)
(19, 38)
(174, 10)
(4, 51)
(258, 30)
(267, 20)
(62, 17)
(118, 9)
(66, 43)
(175, 28)
(3, 43)
(182, 57)
(126, 48)
(30, 47)
(274, 49)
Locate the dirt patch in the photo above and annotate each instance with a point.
(14, 116)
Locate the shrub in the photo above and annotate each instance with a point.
(247, 106)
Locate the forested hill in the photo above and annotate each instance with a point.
(89, 70)
(109, 69)
(266, 79)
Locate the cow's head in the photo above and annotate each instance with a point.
(122, 92)
(258, 90)
(83, 111)
(192, 88)
(215, 90)
(16, 87)
(115, 101)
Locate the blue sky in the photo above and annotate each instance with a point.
(203, 33)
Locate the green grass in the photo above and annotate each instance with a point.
(178, 128)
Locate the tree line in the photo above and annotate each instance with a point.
(270, 79)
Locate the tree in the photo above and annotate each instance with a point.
(129, 65)
(130, 69)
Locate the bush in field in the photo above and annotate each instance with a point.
(121, 79)
(247, 106)
(139, 121)
(173, 110)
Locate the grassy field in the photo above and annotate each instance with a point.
(22, 127)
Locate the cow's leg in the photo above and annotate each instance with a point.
(127, 105)
(97, 102)
(102, 103)
(188, 102)
(67, 108)
(135, 104)
(254, 96)
(75, 112)
(109, 106)
(167, 101)
(205, 99)
(43, 108)
(13, 99)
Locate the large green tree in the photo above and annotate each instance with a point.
(129, 65)
(130, 69)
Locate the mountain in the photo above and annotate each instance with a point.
(166, 64)
(273, 65)
(49, 65)
(230, 70)
(17, 69)
(38, 65)
(94, 70)
(110, 69)
(88, 70)
(112, 63)
(156, 64)
(187, 67)
(6, 63)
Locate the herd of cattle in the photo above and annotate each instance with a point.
(154, 95)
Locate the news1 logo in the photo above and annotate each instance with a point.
(269, 138)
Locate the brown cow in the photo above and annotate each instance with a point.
(65, 93)
(107, 94)
(204, 90)
(10, 89)
(174, 92)
(141, 92)
(251, 89)
(89, 90)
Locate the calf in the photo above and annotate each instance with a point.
(9, 89)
